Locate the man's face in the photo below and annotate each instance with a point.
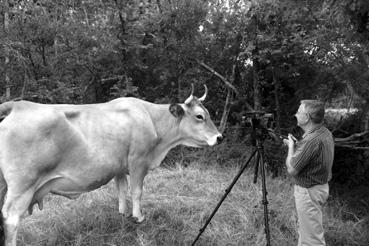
(302, 116)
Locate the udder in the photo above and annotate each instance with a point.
(57, 185)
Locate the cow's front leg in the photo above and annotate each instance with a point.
(122, 187)
(136, 179)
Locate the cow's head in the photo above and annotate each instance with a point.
(195, 124)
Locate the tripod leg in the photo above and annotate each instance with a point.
(265, 193)
(256, 170)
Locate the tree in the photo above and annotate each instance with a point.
(6, 51)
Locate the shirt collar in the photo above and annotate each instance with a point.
(312, 130)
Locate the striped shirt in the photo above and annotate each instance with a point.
(313, 158)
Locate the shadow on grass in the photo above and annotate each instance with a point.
(347, 214)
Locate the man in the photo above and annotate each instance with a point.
(309, 162)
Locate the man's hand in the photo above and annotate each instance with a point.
(290, 142)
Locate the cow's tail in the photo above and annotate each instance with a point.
(5, 109)
(3, 189)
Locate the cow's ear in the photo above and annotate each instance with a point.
(176, 110)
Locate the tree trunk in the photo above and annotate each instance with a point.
(43, 53)
(56, 47)
(25, 81)
(227, 107)
(179, 88)
(159, 6)
(85, 12)
(257, 86)
(277, 86)
(7, 59)
(364, 119)
(256, 68)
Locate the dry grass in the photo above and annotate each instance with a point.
(177, 203)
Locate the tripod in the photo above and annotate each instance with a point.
(259, 161)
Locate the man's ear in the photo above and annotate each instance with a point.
(176, 110)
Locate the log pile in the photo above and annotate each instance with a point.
(356, 141)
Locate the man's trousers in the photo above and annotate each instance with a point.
(309, 203)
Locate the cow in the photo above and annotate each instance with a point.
(67, 149)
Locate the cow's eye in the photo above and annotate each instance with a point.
(200, 117)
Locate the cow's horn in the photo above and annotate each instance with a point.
(189, 99)
(201, 99)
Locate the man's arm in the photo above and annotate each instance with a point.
(291, 150)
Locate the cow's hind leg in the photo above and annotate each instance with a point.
(15, 205)
(3, 189)
(136, 178)
(122, 187)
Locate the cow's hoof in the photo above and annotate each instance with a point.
(138, 220)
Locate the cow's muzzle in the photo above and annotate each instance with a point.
(219, 139)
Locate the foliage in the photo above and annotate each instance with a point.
(308, 47)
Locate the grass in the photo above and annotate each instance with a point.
(177, 201)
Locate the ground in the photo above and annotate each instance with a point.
(177, 201)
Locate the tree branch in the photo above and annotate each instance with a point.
(226, 82)
(112, 79)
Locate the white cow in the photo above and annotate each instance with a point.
(70, 149)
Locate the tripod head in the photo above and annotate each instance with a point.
(260, 123)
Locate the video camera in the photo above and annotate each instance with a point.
(260, 122)
(258, 119)
(263, 124)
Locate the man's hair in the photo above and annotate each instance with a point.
(315, 109)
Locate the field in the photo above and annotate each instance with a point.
(178, 200)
